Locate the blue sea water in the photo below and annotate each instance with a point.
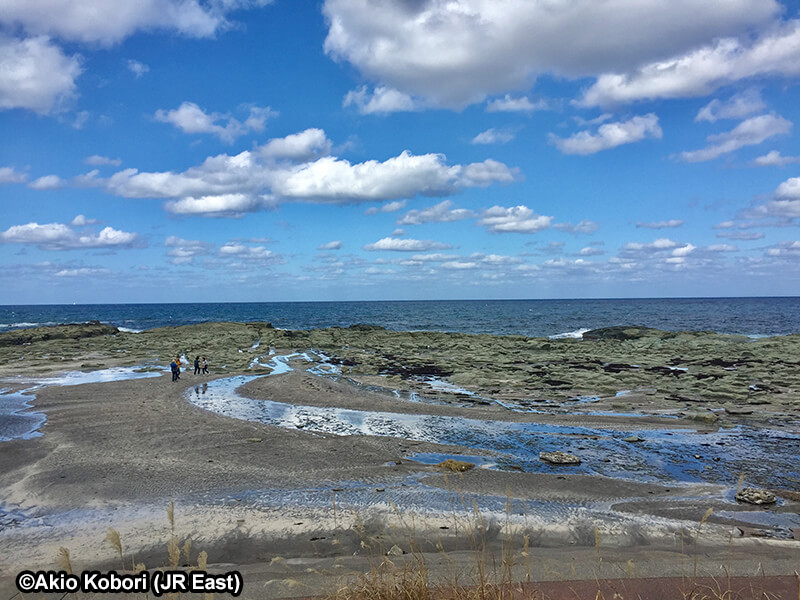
(746, 316)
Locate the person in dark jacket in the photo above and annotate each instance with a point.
(197, 365)
(176, 370)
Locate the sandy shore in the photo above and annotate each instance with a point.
(297, 509)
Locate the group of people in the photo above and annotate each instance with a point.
(200, 366)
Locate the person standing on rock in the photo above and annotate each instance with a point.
(197, 365)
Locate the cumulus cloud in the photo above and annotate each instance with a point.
(107, 23)
(737, 107)
(247, 253)
(456, 52)
(220, 205)
(386, 208)
(784, 206)
(183, 251)
(775, 159)
(516, 219)
(301, 147)
(335, 245)
(137, 68)
(382, 100)
(47, 182)
(520, 104)
(610, 135)
(190, 118)
(751, 132)
(722, 248)
(96, 160)
(57, 236)
(493, 136)
(330, 179)
(82, 221)
(583, 226)
(701, 71)
(785, 250)
(406, 245)
(591, 251)
(226, 185)
(439, 213)
(11, 175)
(672, 223)
(35, 74)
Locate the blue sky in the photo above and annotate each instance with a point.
(256, 150)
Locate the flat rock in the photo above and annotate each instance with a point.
(559, 458)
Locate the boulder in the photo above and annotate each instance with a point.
(755, 496)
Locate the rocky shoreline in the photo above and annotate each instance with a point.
(109, 452)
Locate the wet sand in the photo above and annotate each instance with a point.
(307, 507)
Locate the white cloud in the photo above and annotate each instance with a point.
(407, 245)
(701, 71)
(137, 68)
(190, 118)
(737, 107)
(81, 272)
(516, 219)
(386, 208)
(335, 245)
(520, 104)
(242, 252)
(785, 250)
(183, 251)
(610, 135)
(255, 180)
(789, 189)
(398, 232)
(741, 235)
(301, 147)
(219, 205)
(591, 251)
(330, 179)
(684, 250)
(439, 213)
(82, 221)
(435, 257)
(35, 74)
(383, 100)
(456, 52)
(107, 23)
(459, 265)
(672, 223)
(81, 118)
(47, 182)
(775, 159)
(722, 248)
(96, 160)
(584, 226)
(659, 245)
(11, 175)
(751, 132)
(493, 136)
(57, 236)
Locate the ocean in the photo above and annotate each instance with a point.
(754, 317)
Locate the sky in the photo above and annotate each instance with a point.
(291, 150)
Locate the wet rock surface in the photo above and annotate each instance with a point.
(559, 458)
